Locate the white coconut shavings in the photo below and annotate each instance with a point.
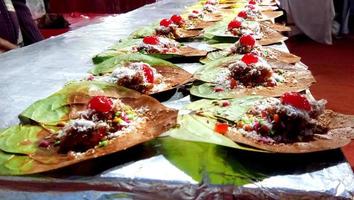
(210, 8)
(222, 78)
(164, 45)
(81, 125)
(128, 127)
(196, 14)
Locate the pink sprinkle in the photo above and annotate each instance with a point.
(44, 144)
(225, 103)
(217, 89)
(90, 78)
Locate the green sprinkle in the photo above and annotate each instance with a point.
(103, 143)
(131, 116)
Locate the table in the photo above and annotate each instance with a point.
(164, 168)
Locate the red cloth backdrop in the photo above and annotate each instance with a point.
(95, 6)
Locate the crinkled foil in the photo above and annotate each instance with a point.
(161, 169)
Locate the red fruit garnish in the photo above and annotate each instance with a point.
(195, 11)
(253, 2)
(296, 100)
(153, 40)
(149, 74)
(234, 24)
(177, 19)
(165, 22)
(247, 40)
(242, 14)
(221, 128)
(101, 104)
(249, 58)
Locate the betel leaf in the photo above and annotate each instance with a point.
(231, 109)
(51, 110)
(201, 129)
(126, 44)
(111, 64)
(121, 47)
(21, 139)
(12, 164)
(104, 56)
(54, 109)
(208, 163)
(221, 46)
(209, 71)
(144, 31)
(215, 55)
(218, 32)
(206, 90)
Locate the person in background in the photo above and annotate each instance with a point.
(17, 27)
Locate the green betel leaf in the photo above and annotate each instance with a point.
(126, 44)
(219, 32)
(55, 109)
(144, 31)
(51, 110)
(201, 129)
(111, 64)
(104, 56)
(21, 139)
(231, 109)
(222, 46)
(207, 163)
(206, 90)
(209, 71)
(215, 55)
(11, 164)
(122, 47)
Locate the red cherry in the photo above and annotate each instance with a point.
(148, 73)
(253, 2)
(242, 14)
(221, 128)
(177, 19)
(296, 100)
(247, 40)
(249, 58)
(101, 104)
(165, 22)
(234, 24)
(153, 40)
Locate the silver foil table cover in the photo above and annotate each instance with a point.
(165, 168)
